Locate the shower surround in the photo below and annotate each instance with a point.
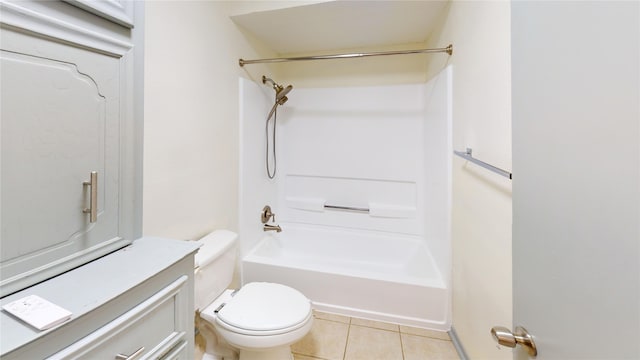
(385, 152)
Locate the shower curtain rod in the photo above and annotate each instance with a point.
(448, 50)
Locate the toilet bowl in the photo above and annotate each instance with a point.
(260, 320)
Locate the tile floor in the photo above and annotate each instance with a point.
(336, 337)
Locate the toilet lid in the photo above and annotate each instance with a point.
(265, 306)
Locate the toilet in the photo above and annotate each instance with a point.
(259, 321)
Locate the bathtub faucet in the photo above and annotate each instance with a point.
(269, 227)
(267, 215)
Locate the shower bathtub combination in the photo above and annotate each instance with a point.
(366, 274)
(362, 194)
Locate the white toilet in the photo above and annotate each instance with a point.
(261, 320)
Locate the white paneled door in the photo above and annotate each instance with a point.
(576, 184)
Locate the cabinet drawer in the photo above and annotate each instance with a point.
(179, 352)
(151, 330)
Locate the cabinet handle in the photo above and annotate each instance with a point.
(93, 202)
(134, 355)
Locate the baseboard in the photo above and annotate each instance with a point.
(457, 344)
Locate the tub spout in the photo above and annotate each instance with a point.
(269, 227)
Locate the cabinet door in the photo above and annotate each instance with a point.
(60, 120)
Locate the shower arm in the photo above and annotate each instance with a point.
(277, 87)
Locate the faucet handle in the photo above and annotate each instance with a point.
(267, 214)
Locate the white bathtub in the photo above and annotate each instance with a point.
(379, 276)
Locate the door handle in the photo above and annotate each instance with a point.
(93, 201)
(505, 337)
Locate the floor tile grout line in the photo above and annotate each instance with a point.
(333, 321)
(346, 342)
(309, 356)
(375, 328)
(401, 344)
(426, 336)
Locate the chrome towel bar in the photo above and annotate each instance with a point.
(468, 155)
(346, 208)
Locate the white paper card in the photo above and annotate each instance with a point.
(38, 312)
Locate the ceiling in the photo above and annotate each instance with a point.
(335, 25)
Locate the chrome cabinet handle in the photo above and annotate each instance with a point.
(93, 201)
(134, 355)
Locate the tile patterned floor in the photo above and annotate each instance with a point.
(336, 337)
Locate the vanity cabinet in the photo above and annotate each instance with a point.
(67, 112)
(70, 181)
(139, 298)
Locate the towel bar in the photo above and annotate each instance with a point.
(467, 155)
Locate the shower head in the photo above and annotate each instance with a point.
(280, 90)
(281, 98)
(280, 95)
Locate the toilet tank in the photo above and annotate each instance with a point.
(214, 266)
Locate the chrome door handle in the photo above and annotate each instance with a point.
(521, 337)
(93, 201)
(134, 355)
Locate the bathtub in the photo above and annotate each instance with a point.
(372, 275)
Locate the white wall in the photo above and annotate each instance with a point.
(191, 148)
(480, 34)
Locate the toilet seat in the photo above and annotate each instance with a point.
(262, 308)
